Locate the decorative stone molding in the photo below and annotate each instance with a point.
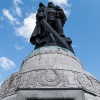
(50, 67)
(51, 58)
(50, 78)
(12, 97)
(9, 86)
(50, 50)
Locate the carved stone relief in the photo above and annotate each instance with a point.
(31, 81)
(9, 86)
(50, 78)
(13, 97)
(96, 85)
(84, 81)
(57, 78)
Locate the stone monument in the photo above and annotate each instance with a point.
(51, 71)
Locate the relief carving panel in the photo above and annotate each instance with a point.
(49, 78)
(85, 81)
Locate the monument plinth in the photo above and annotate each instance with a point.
(51, 72)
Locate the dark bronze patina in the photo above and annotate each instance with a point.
(49, 27)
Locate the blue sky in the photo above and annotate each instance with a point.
(17, 21)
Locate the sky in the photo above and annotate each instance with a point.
(17, 22)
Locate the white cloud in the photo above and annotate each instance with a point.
(6, 63)
(28, 26)
(10, 17)
(60, 2)
(64, 4)
(17, 1)
(18, 47)
(67, 12)
(17, 8)
(18, 11)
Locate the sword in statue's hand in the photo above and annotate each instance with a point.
(58, 38)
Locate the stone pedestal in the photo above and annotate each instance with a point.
(51, 72)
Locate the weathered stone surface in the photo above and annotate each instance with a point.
(12, 97)
(90, 97)
(72, 94)
(50, 78)
(50, 67)
(9, 86)
(51, 57)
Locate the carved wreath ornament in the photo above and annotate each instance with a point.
(49, 78)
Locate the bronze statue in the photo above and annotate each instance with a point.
(49, 27)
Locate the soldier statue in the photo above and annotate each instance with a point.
(49, 27)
